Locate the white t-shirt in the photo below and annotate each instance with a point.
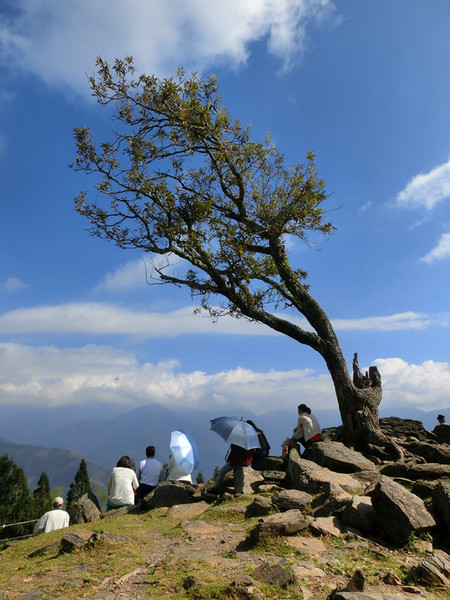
(307, 427)
(51, 520)
(121, 484)
(149, 471)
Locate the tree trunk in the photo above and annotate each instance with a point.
(358, 402)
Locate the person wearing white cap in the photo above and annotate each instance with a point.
(53, 519)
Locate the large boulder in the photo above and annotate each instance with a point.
(85, 510)
(441, 504)
(337, 457)
(288, 499)
(431, 452)
(394, 427)
(168, 493)
(246, 480)
(359, 514)
(281, 524)
(307, 476)
(400, 512)
(414, 471)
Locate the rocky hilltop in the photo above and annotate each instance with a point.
(332, 524)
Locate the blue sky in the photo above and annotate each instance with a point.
(365, 85)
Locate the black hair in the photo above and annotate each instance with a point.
(150, 451)
(124, 461)
(304, 408)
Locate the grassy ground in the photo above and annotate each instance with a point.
(154, 555)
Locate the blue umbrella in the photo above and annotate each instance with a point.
(184, 451)
(236, 431)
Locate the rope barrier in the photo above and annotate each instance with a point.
(20, 523)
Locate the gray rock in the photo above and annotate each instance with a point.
(413, 472)
(77, 539)
(273, 476)
(85, 510)
(337, 457)
(310, 477)
(269, 463)
(441, 504)
(289, 499)
(326, 526)
(281, 524)
(168, 493)
(360, 514)
(246, 480)
(434, 570)
(334, 500)
(400, 512)
(394, 427)
(260, 507)
(431, 452)
(273, 575)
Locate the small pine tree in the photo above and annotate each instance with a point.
(16, 504)
(200, 478)
(81, 484)
(216, 472)
(165, 471)
(42, 496)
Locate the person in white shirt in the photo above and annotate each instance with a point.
(121, 484)
(53, 519)
(149, 473)
(307, 431)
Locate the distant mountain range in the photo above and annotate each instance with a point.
(59, 464)
(103, 433)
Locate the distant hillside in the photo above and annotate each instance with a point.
(59, 464)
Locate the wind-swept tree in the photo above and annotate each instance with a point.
(181, 179)
(81, 484)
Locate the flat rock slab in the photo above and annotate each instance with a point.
(307, 545)
(273, 575)
(288, 499)
(187, 511)
(337, 457)
(307, 570)
(308, 476)
(326, 526)
(199, 528)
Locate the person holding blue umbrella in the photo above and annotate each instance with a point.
(243, 441)
(184, 457)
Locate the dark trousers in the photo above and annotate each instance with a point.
(143, 490)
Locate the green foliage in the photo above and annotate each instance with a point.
(43, 500)
(16, 505)
(216, 472)
(81, 484)
(200, 478)
(181, 178)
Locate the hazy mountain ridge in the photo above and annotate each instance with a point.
(60, 465)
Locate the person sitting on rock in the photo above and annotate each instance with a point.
(442, 430)
(307, 431)
(121, 484)
(53, 519)
(149, 473)
(177, 473)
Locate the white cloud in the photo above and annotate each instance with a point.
(13, 284)
(395, 322)
(51, 376)
(59, 41)
(424, 386)
(98, 318)
(426, 189)
(442, 250)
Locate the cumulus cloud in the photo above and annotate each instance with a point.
(441, 251)
(426, 189)
(424, 386)
(52, 376)
(398, 321)
(13, 284)
(59, 41)
(94, 374)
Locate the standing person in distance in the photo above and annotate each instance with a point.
(149, 473)
(53, 519)
(121, 484)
